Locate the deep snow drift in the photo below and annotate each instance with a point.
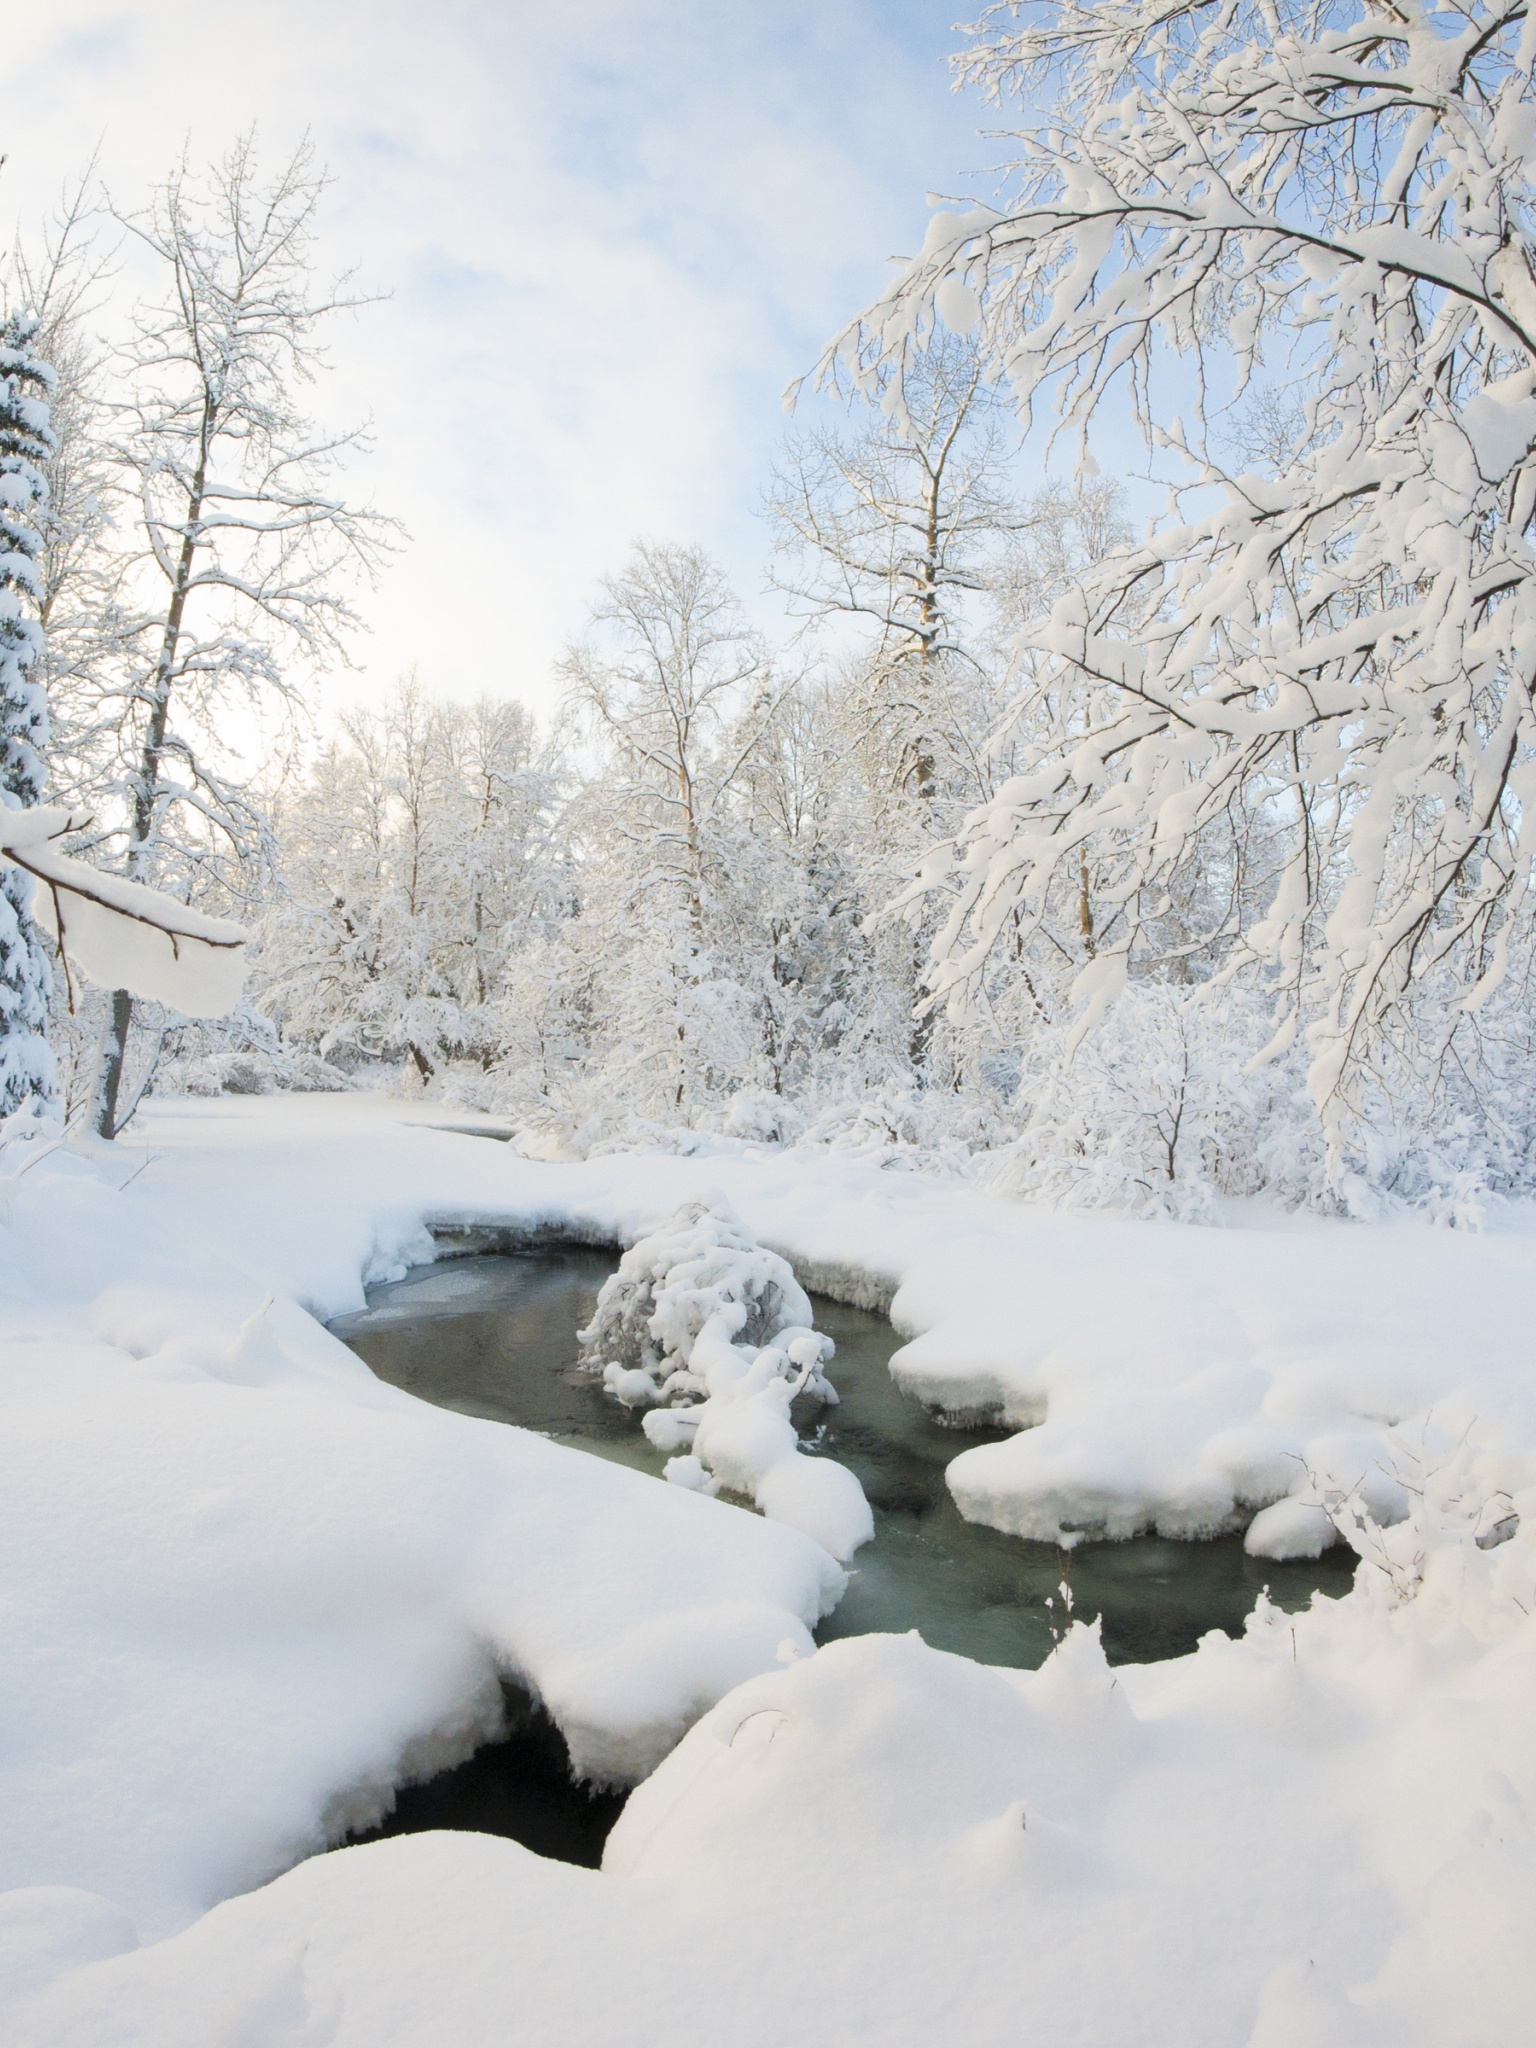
(247, 1585)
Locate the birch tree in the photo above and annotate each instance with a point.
(1333, 198)
(236, 552)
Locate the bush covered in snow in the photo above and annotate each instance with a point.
(713, 1334)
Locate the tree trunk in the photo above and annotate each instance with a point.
(115, 1046)
(113, 1051)
(925, 765)
(1084, 904)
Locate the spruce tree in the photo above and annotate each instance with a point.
(26, 443)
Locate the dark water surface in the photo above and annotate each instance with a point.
(495, 1336)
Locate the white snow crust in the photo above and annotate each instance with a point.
(247, 1587)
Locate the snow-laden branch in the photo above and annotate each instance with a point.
(1329, 210)
(122, 934)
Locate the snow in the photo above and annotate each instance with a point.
(682, 1298)
(247, 1585)
(245, 1580)
(119, 933)
(1290, 1528)
(1182, 1377)
(1214, 1851)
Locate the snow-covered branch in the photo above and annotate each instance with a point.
(1338, 639)
(119, 933)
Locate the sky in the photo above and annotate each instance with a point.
(610, 233)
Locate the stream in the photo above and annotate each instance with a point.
(495, 1336)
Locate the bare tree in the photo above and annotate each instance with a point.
(661, 675)
(900, 525)
(235, 552)
(666, 657)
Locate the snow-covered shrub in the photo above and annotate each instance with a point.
(909, 1128)
(1454, 1504)
(1152, 1112)
(249, 1073)
(700, 1262)
(241, 1054)
(760, 1119)
(705, 1322)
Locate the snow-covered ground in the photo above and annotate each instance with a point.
(246, 1585)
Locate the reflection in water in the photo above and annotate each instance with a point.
(496, 1337)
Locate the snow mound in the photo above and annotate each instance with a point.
(669, 1285)
(1291, 1528)
(1016, 1856)
(250, 1589)
(701, 1316)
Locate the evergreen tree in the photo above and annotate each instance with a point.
(26, 442)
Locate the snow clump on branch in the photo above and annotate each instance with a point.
(714, 1334)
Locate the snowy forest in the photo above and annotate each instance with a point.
(1111, 845)
(768, 1156)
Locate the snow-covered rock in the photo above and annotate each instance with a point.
(1291, 1528)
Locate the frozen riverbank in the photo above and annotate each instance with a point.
(1186, 1377)
(246, 1579)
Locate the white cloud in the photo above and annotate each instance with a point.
(612, 231)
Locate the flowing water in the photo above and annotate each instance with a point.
(495, 1336)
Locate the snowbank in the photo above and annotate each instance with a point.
(1182, 1379)
(1270, 1844)
(247, 1586)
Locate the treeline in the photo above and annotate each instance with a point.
(673, 911)
(1140, 869)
